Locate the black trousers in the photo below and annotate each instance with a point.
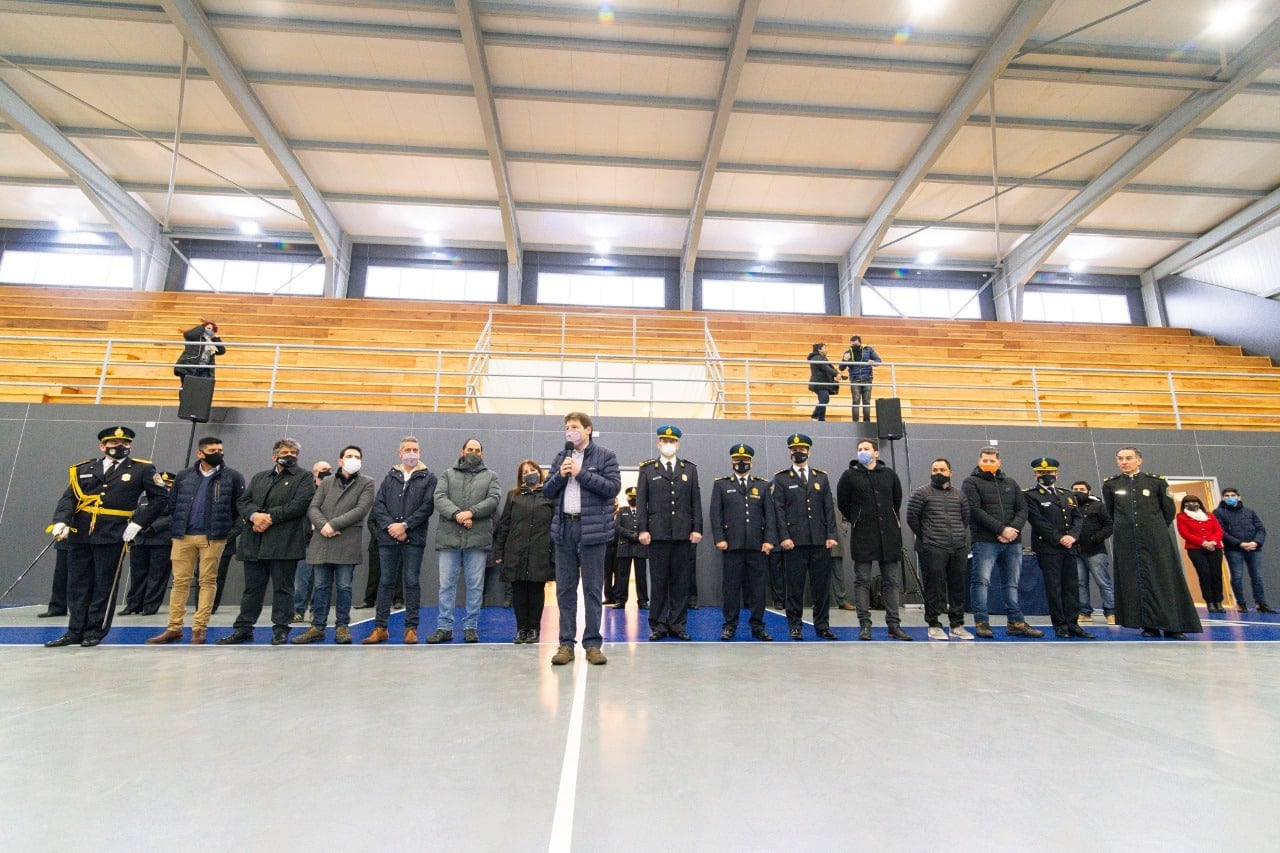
(743, 570)
(820, 410)
(1208, 566)
(610, 580)
(777, 576)
(891, 588)
(1061, 586)
(945, 581)
(527, 599)
(58, 594)
(375, 576)
(150, 567)
(91, 571)
(256, 575)
(812, 562)
(670, 562)
(622, 580)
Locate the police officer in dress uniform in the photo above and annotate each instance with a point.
(630, 552)
(743, 530)
(150, 563)
(1056, 522)
(805, 520)
(97, 515)
(669, 517)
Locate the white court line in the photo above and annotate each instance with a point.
(566, 797)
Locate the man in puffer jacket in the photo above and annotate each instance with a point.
(938, 515)
(1243, 536)
(467, 498)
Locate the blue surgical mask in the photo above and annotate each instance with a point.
(1231, 501)
(865, 457)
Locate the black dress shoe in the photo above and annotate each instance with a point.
(681, 635)
(657, 635)
(366, 605)
(1262, 608)
(608, 602)
(279, 636)
(90, 642)
(619, 605)
(128, 611)
(1174, 635)
(150, 611)
(864, 633)
(235, 638)
(796, 634)
(48, 614)
(762, 635)
(64, 640)
(643, 605)
(896, 632)
(727, 634)
(1078, 632)
(1061, 633)
(826, 634)
(693, 604)
(1150, 633)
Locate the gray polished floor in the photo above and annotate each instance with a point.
(678, 747)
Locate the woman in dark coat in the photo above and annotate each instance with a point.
(523, 550)
(203, 346)
(822, 380)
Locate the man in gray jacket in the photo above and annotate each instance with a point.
(467, 498)
(337, 515)
(938, 515)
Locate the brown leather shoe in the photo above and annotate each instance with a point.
(170, 635)
(411, 636)
(847, 606)
(198, 636)
(595, 657)
(379, 635)
(563, 655)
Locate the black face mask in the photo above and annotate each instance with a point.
(322, 474)
(799, 457)
(531, 478)
(741, 467)
(631, 501)
(286, 462)
(213, 460)
(118, 452)
(1081, 497)
(939, 480)
(1047, 480)
(1192, 507)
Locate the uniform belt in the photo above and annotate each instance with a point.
(92, 504)
(573, 516)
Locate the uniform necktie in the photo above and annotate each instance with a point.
(804, 476)
(111, 466)
(668, 466)
(743, 483)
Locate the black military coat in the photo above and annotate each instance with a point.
(742, 517)
(668, 507)
(1053, 513)
(803, 513)
(628, 531)
(98, 507)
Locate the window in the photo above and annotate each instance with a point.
(442, 283)
(67, 269)
(1056, 306)
(772, 296)
(626, 291)
(287, 278)
(942, 302)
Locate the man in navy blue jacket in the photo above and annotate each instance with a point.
(203, 511)
(1243, 536)
(584, 483)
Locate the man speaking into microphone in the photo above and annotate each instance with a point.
(584, 482)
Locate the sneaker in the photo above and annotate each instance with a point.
(959, 633)
(1085, 619)
(983, 630)
(936, 633)
(440, 635)
(411, 636)
(298, 619)
(562, 656)
(342, 635)
(470, 635)
(1022, 629)
(379, 635)
(1111, 620)
(595, 657)
(311, 635)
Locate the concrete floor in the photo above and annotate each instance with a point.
(672, 746)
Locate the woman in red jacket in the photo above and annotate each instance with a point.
(1203, 536)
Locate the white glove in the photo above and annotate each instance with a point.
(60, 531)
(131, 532)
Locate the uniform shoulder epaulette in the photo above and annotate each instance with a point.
(1159, 476)
(84, 462)
(1113, 477)
(818, 471)
(689, 462)
(647, 462)
(718, 479)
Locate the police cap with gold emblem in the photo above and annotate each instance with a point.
(120, 433)
(631, 491)
(742, 451)
(799, 439)
(1044, 464)
(669, 431)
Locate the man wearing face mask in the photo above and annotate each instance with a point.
(97, 516)
(938, 515)
(273, 512)
(304, 576)
(857, 363)
(1244, 535)
(402, 513)
(203, 506)
(669, 515)
(742, 525)
(1092, 559)
(805, 524)
(337, 512)
(630, 552)
(868, 495)
(997, 513)
(584, 482)
(1056, 525)
(467, 497)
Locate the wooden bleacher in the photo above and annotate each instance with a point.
(386, 355)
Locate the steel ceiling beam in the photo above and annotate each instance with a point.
(1255, 220)
(738, 45)
(190, 20)
(139, 229)
(1017, 27)
(1023, 261)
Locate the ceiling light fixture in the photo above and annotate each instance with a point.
(766, 253)
(1229, 18)
(68, 223)
(602, 247)
(431, 239)
(250, 229)
(1077, 267)
(928, 257)
(927, 7)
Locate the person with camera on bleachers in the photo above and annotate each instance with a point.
(856, 364)
(202, 349)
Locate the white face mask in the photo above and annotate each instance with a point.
(351, 465)
(668, 449)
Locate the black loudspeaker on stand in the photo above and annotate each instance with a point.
(890, 428)
(195, 404)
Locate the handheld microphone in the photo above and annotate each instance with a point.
(568, 448)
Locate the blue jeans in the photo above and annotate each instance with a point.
(326, 573)
(985, 557)
(1098, 565)
(577, 562)
(302, 577)
(470, 563)
(393, 559)
(1236, 562)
